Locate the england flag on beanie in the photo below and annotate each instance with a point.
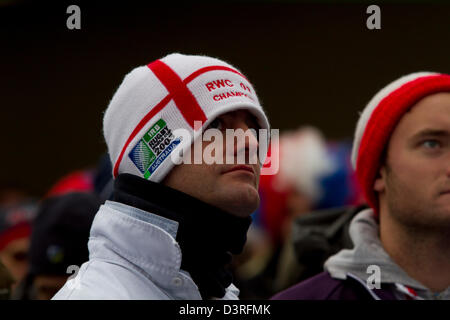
(379, 119)
(168, 94)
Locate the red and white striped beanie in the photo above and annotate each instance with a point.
(167, 94)
(379, 119)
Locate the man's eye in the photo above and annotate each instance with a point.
(215, 124)
(431, 144)
(20, 256)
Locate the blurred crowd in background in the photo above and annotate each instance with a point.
(44, 241)
(312, 64)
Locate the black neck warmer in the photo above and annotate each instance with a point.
(207, 235)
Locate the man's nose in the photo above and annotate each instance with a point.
(250, 144)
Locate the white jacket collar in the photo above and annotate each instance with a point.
(123, 230)
(145, 242)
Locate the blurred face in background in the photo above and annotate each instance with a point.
(15, 258)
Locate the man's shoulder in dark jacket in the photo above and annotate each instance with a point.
(324, 287)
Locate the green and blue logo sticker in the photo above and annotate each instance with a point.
(154, 147)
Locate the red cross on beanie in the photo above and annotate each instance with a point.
(169, 94)
(379, 119)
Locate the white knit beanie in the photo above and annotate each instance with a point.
(169, 94)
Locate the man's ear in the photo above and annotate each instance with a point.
(379, 184)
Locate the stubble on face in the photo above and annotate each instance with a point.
(235, 192)
(409, 206)
(416, 168)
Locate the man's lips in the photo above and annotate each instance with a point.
(445, 192)
(241, 167)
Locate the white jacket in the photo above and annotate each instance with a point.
(133, 254)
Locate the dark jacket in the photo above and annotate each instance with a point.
(324, 287)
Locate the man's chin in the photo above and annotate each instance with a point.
(443, 205)
(244, 190)
(438, 216)
(241, 199)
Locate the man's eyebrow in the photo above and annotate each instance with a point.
(431, 133)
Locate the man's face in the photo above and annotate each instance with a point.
(415, 181)
(230, 187)
(15, 258)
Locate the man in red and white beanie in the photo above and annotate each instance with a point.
(174, 223)
(401, 155)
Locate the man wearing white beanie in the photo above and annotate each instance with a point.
(401, 154)
(172, 225)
